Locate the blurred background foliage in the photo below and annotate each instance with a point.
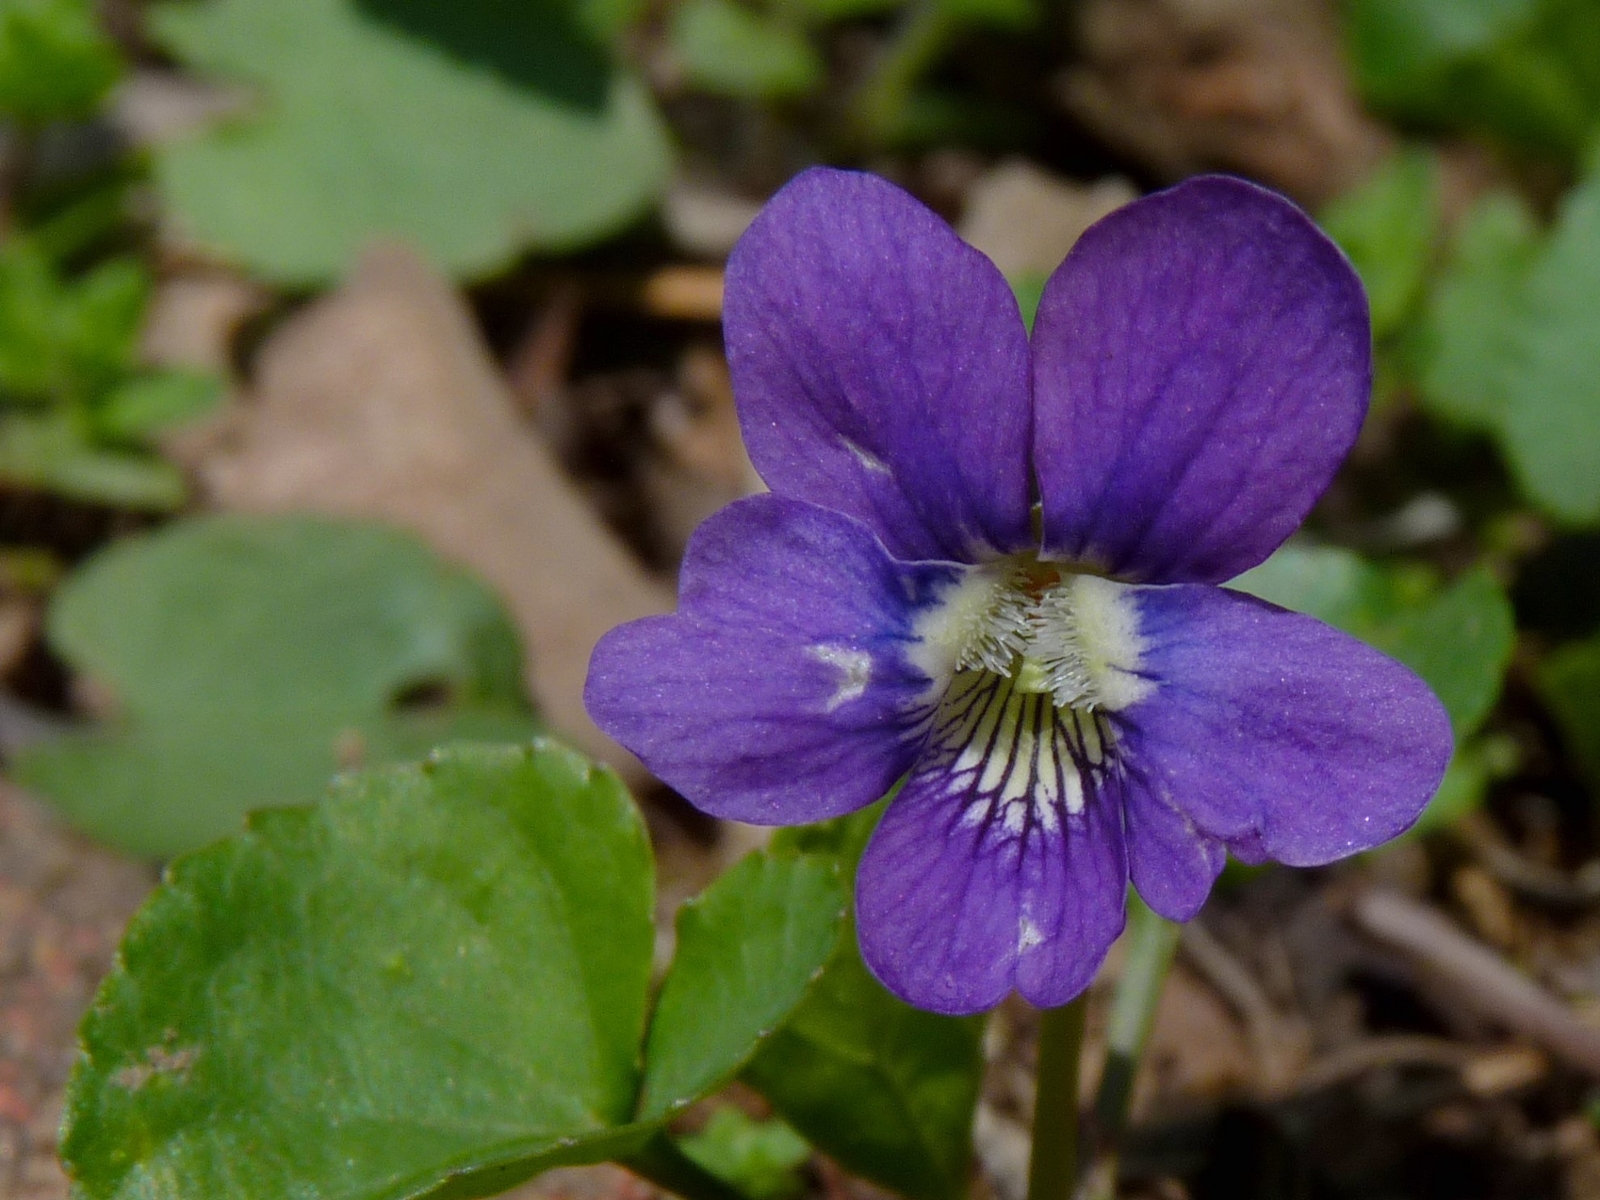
(184, 183)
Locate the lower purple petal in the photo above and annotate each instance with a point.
(954, 913)
(1172, 863)
(780, 693)
(1270, 732)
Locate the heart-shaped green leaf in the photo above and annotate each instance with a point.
(475, 129)
(748, 949)
(251, 658)
(432, 983)
(886, 1090)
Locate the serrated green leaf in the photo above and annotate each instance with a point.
(728, 50)
(748, 949)
(251, 658)
(55, 60)
(431, 984)
(886, 1090)
(476, 131)
(1388, 226)
(1467, 347)
(760, 1158)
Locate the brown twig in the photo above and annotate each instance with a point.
(1481, 979)
(1279, 1042)
(1521, 874)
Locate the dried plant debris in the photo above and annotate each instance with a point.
(381, 401)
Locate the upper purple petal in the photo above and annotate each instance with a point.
(962, 898)
(1271, 733)
(881, 368)
(780, 693)
(1202, 364)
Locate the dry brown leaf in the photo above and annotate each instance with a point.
(1026, 219)
(1253, 86)
(381, 401)
(1197, 1050)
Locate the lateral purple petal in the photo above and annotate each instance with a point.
(881, 368)
(953, 914)
(780, 692)
(1202, 364)
(1270, 732)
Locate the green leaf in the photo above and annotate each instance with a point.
(760, 1158)
(251, 658)
(748, 949)
(63, 342)
(823, 12)
(1001, 14)
(1476, 764)
(150, 403)
(728, 50)
(55, 61)
(476, 130)
(886, 1090)
(1467, 343)
(1388, 227)
(1029, 290)
(431, 984)
(1459, 640)
(1551, 424)
(51, 452)
(1527, 71)
(1569, 682)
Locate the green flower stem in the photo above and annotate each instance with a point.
(1151, 943)
(1053, 1171)
(670, 1169)
(879, 108)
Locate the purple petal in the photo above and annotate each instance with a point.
(1202, 364)
(959, 901)
(1270, 732)
(881, 368)
(1172, 863)
(780, 693)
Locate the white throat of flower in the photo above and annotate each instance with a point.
(1072, 637)
(1029, 663)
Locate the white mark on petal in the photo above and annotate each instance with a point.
(866, 458)
(855, 672)
(1029, 935)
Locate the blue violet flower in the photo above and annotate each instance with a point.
(990, 568)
